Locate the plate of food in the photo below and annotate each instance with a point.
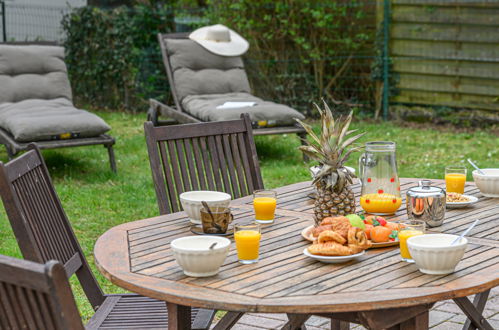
(380, 232)
(339, 243)
(456, 200)
(332, 259)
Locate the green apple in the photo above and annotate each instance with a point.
(356, 221)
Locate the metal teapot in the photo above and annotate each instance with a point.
(427, 203)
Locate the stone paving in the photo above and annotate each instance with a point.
(445, 315)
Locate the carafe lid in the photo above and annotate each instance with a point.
(425, 189)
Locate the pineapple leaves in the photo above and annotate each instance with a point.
(341, 181)
(344, 130)
(350, 141)
(312, 153)
(348, 153)
(309, 130)
(331, 148)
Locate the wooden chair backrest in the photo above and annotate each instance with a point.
(36, 296)
(217, 156)
(166, 62)
(39, 222)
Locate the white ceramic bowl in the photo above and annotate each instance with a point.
(488, 183)
(191, 202)
(194, 256)
(433, 253)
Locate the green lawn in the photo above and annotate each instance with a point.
(95, 199)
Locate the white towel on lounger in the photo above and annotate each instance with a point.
(235, 105)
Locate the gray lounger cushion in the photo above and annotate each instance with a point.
(38, 120)
(35, 96)
(197, 71)
(265, 113)
(32, 72)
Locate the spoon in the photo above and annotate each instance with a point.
(213, 245)
(465, 232)
(213, 223)
(476, 167)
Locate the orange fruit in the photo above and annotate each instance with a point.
(370, 219)
(392, 225)
(380, 234)
(368, 229)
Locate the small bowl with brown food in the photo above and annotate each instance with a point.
(456, 200)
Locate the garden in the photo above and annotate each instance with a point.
(293, 59)
(95, 199)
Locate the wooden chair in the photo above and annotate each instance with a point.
(208, 156)
(36, 296)
(44, 233)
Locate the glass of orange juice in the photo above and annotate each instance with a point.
(264, 203)
(455, 178)
(247, 239)
(408, 229)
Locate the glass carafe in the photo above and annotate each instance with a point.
(380, 191)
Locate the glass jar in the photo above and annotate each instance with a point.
(380, 191)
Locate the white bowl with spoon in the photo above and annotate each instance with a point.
(438, 254)
(434, 254)
(200, 256)
(488, 182)
(191, 202)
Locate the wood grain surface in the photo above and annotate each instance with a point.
(137, 257)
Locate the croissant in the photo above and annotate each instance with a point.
(329, 235)
(329, 249)
(327, 221)
(357, 239)
(317, 230)
(341, 225)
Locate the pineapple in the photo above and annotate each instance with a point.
(332, 149)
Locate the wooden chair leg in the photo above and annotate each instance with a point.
(112, 159)
(203, 319)
(10, 153)
(339, 325)
(179, 317)
(296, 322)
(474, 311)
(303, 141)
(228, 321)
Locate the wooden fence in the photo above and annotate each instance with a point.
(444, 53)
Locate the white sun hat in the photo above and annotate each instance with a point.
(220, 40)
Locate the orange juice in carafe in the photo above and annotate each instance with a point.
(380, 192)
(380, 203)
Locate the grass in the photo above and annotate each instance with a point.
(95, 199)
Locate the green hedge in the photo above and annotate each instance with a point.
(299, 50)
(113, 56)
(302, 50)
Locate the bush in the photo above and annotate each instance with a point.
(302, 50)
(113, 56)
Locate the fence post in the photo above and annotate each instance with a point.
(386, 58)
(4, 24)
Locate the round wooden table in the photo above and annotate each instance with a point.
(378, 290)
